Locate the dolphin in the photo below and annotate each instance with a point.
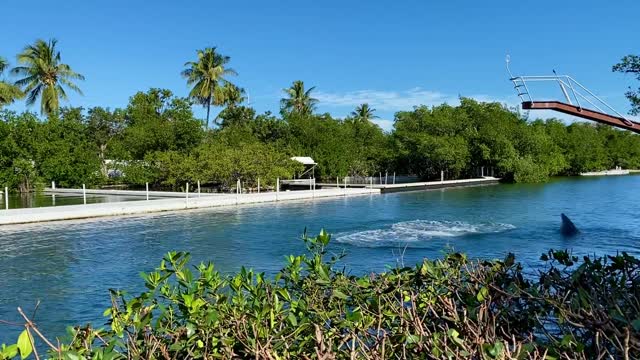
(567, 228)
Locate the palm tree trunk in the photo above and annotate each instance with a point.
(208, 110)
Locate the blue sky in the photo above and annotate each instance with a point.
(393, 55)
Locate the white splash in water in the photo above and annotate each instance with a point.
(412, 233)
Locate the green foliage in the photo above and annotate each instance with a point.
(443, 309)
(232, 95)
(105, 128)
(459, 140)
(8, 92)
(157, 139)
(363, 113)
(340, 148)
(67, 155)
(17, 149)
(158, 121)
(24, 345)
(45, 76)
(223, 165)
(207, 78)
(630, 64)
(298, 99)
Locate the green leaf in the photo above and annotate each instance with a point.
(24, 344)
(9, 351)
(212, 316)
(412, 339)
(292, 319)
(482, 294)
(354, 315)
(497, 349)
(73, 356)
(191, 329)
(340, 295)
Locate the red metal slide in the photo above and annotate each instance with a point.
(588, 114)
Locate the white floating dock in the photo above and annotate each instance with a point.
(174, 201)
(421, 186)
(69, 212)
(140, 193)
(431, 185)
(612, 172)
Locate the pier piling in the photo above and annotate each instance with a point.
(186, 190)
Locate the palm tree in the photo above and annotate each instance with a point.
(233, 95)
(8, 92)
(364, 113)
(298, 100)
(207, 75)
(45, 76)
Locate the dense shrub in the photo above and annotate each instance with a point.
(313, 308)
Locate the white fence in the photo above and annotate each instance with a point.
(381, 179)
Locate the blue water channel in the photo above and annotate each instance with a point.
(69, 266)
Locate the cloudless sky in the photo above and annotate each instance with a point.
(393, 54)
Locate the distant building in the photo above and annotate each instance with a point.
(309, 167)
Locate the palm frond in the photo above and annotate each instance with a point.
(71, 86)
(9, 93)
(59, 90)
(44, 75)
(206, 77)
(3, 64)
(33, 94)
(27, 80)
(299, 100)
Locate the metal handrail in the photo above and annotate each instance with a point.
(563, 81)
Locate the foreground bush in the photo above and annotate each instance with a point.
(313, 309)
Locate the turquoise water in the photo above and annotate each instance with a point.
(70, 266)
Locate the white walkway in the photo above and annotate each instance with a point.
(68, 212)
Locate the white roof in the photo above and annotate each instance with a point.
(304, 159)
